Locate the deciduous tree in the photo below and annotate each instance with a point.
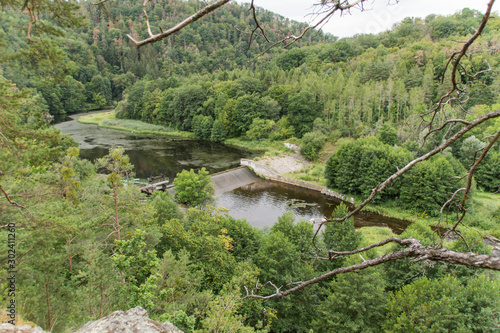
(194, 189)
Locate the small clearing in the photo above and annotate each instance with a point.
(285, 164)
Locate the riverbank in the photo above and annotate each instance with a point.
(108, 120)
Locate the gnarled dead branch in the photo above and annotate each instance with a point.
(413, 250)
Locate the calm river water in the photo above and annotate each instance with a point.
(261, 203)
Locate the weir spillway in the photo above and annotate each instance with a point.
(232, 179)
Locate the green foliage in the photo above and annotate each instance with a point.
(218, 132)
(341, 236)
(181, 320)
(350, 88)
(202, 126)
(260, 129)
(402, 272)
(246, 238)
(134, 259)
(388, 135)
(27, 141)
(222, 313)
(137, 265)
(480, 94)
(99, 90)
(443, 27)
(71, 185)
(249, 107)
(443, 305)
(179, 287)
(210, 247)
(428, 185)
(302, 110)
(165, 207)
(292, 59)
(357, 167)
(193, 189)
(468, 150)
(312, 143)
(340, 51)
(284, 129)
(488, 172)
(117, 163)
(355, 302)
(281, 257)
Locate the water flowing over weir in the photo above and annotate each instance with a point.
(232, 179)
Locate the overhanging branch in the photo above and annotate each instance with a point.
(196, 16)
(400, 172)
(413, 250)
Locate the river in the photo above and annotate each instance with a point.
(261, 202)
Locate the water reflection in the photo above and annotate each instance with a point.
(262, 202)
(153, 154)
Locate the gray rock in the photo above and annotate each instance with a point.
(132, 321)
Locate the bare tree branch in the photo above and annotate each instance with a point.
(478, 73)
(330, 8)
(14, 203)
(196, 16)
(400, 172)
(257, 26)
(413, 250)
(469, 178)
(447, 203)
(456, 58)
(146, 17)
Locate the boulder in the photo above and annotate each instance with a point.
(131, 321)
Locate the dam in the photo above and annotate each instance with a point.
(232, 179)
(224, 181)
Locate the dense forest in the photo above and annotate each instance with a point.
(86, 245)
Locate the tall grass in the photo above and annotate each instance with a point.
(108, 120)
(135, 125)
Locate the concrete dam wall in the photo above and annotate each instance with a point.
(270, 174)
(232, 179)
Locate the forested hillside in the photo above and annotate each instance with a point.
(92, 65)
(78, 244)
(354, 85)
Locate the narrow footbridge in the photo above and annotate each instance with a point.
(153, 187)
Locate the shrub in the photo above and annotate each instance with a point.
(388, 135)
(488, 172)
(260, 129)
(311, 145)
(218, 132)
(194, 189)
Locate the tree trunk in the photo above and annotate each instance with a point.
(49, 315)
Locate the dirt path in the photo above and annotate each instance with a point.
(285, 164)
